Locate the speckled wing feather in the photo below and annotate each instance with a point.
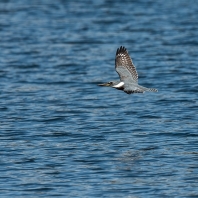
(123, 60)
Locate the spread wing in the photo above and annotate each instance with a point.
(124, 66)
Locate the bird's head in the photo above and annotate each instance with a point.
(114, 84)
(108, 84)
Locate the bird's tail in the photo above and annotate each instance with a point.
(152, 90)
(147, 89)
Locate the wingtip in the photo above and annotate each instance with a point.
(121, 49)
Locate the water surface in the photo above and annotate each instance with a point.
(62, 135)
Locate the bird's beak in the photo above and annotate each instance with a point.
(105, 84)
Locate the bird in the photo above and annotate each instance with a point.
(128, 75)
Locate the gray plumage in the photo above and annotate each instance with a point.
(128, 74)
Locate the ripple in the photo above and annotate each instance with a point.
(61, 134)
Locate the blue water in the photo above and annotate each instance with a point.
(63, 136)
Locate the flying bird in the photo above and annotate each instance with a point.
(128, 74)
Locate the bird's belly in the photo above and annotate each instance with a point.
(120, 88)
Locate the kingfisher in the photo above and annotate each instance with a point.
(128, 75)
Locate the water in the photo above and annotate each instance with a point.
(63, 136)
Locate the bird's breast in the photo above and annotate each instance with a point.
(119, 85)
